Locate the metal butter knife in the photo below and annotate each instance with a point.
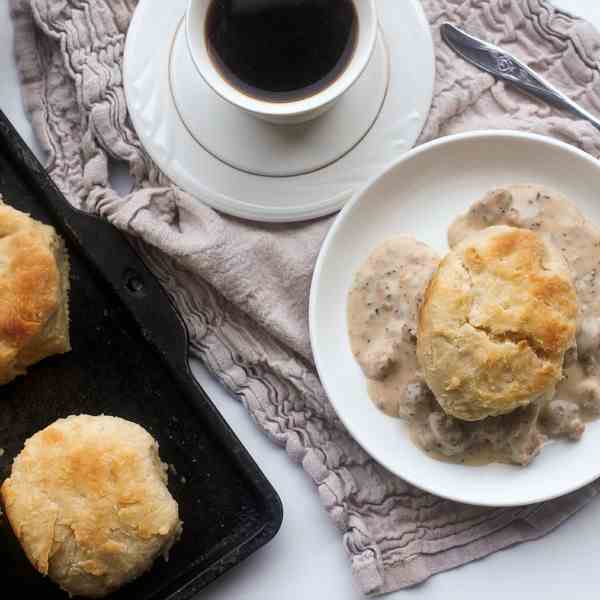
(504, 66)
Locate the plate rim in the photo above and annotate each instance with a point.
(479, 135)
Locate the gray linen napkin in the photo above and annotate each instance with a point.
(243, 287)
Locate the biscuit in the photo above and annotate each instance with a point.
(87, 499)
(497, 318)
(34, 283)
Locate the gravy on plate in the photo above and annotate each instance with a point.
(383, 306)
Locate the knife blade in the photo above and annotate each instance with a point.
(504, 66)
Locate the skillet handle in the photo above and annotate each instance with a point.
(114, 258)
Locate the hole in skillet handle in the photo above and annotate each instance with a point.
(134, 283)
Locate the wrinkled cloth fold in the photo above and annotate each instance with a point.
(243, 287)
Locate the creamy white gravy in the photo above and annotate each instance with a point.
(382, 318)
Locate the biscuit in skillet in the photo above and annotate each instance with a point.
(87, 499)
(34, 284)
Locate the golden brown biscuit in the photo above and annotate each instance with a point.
(34, 283)
(498, 316)
(88, 501)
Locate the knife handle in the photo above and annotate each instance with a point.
(531, 83)
(504, 66)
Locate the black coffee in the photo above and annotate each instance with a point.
(281, 50)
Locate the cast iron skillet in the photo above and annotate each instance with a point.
(129, 359)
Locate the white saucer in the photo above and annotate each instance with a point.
(250, 144)
(150, 42)
(421, 195)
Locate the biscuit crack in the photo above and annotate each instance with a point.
(506, 336)
(511, 336)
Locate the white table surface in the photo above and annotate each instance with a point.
(306, 560)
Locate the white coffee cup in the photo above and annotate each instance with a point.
(296, 111)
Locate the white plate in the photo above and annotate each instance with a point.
(150, 42)
(421, 195)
